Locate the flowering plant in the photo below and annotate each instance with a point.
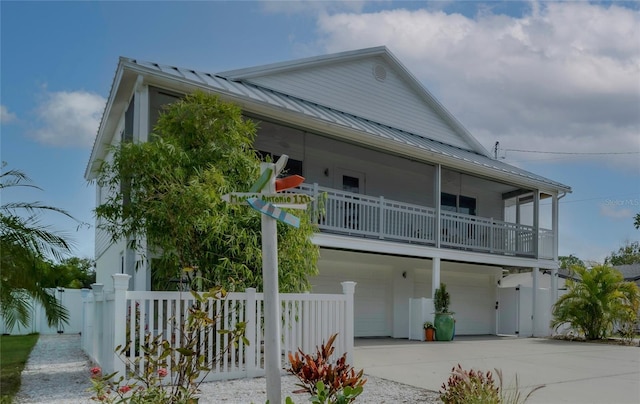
(428, 324)
(168, 372)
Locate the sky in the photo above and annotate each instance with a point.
(557, 84)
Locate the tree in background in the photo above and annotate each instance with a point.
(26, 244)
(596, 302)
(169, 191)
(568, 262)
(626, 255)
(636, 221)
(72, 273)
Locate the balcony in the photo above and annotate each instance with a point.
(360, 215)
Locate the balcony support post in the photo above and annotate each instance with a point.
(534, 309)
(536, 223)
(437, 191)
(435, 276)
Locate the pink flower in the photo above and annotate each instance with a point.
(162, 372)
(124, 389)
(95, 372)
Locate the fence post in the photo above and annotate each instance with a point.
(348, 289)
(98, 306)
(120, 286)
(250, 332)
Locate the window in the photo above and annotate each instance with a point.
(458, 203)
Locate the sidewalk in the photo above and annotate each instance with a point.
(57, 372)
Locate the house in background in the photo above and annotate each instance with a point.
(413, 199)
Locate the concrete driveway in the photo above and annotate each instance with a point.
(572, 372)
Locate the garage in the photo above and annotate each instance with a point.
(373, 297)
(473, 300)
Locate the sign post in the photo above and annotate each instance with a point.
(263, 197)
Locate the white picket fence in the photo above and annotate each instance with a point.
(307, 320)
(71, 299)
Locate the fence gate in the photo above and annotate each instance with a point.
(508, 311)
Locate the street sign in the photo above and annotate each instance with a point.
(291, 181)
(271, 211)
(293, 201)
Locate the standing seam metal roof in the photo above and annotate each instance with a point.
(272, 97)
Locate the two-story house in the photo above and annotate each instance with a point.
(413, 199)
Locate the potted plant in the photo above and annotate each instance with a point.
(429, 331)
(444, 322)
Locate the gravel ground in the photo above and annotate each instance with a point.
(57, 372)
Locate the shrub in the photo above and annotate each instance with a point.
(186, 364)
(469, 387)
(477, 387)
(597, 302)
(324, 381)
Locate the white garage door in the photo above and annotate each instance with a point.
(473, 300)
(372, 306)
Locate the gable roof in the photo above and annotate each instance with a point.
(260, 100)
(394, 97)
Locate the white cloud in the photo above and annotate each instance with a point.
(563, 77)
(6, 116)
(615, 211)
(69, 118)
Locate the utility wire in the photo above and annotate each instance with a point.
(576, 153)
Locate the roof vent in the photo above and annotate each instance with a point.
(379, 72)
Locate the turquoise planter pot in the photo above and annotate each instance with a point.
(445, 326)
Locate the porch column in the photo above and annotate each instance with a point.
(554, 286)
(554, 224)
(437, 191)
(536, 223)
(141, 108)
(435, 276)
(534, 293)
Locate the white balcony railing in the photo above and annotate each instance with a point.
(378, 217)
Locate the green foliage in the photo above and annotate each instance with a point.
(568, 262)
(186, 362)
(626, 255)
(469, 387)
(172, 185)
(325, 381)
(26, 245)
(477, 387)
(72, 273)
(441, 299)
(597, 302)
(428, 324)
(14, 351)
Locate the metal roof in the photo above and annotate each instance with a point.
(325, 113)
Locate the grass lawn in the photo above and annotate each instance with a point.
(14, 351)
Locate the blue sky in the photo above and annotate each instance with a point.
(559, 77)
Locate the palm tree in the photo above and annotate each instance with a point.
(24, 245)
(596, 302)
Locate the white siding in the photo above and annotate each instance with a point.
(351, 87)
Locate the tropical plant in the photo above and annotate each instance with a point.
(325, 381)
(441, 299)
(25, 244)
(478, 387)
(596, 302)
(170, 191)
(428, 325)
(186, 361)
